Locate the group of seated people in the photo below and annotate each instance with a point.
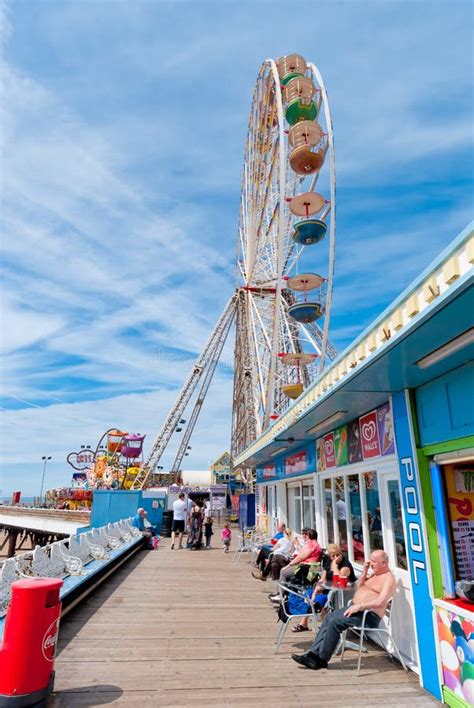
(287, 555)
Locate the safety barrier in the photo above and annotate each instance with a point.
(82, 561)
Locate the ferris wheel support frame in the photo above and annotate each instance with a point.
(169, 426)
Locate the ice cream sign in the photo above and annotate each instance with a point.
(369, 435)
(366, 437)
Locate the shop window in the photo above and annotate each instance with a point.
(355, 518)
(294, 508)
(373, 510)
(328, 510)
(308, 506)
(397, 524)
(341, 512)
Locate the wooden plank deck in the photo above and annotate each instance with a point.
(180, 628)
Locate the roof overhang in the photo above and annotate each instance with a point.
(435, 310)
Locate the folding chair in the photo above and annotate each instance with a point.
(363, 630)
(285, 589)
(244, 544)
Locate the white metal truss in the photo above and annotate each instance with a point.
(218, 344)
(205, 362)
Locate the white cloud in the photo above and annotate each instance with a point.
(122, 163)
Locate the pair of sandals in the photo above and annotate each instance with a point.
(299, 628)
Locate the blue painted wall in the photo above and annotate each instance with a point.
(416, 544)
(112, 505)
(445, 406)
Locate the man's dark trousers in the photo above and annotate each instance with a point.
(333, 626)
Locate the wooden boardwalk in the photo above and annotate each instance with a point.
(191, 628)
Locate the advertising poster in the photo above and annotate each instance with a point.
(321, 464)
(268, 472)
(385, 429)
(340, 446)
(454, 633)
(369, 435)
(460, 487)
(329, 456)
(296, 463)
(355, 447)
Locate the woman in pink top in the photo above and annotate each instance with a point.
(310, 553)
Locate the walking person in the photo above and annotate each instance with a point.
(195, 529)
(226, 536)
(179, 517)
(208, 521)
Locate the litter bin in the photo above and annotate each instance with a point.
(167, 523)
(29, 642)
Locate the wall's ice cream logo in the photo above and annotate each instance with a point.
(368, 431)
(48, 645)
(329, 452)
(369, 435)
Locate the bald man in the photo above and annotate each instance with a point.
(373, 593)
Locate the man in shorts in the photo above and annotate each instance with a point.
(179, 518)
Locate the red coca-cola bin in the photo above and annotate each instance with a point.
(29, 642)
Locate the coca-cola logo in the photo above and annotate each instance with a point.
(48, 645)
(369, 431)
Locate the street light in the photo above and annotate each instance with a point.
(45, 460)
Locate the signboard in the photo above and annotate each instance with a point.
(460, 486)
(81, 460)
(320, 455)
(296, 463)
(218, 493)
(416, 543)
(355, 447)
(329, 454)
(385, 429)
(268, 472)
(340, 446)
(369, 435)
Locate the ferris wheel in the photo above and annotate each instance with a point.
(287, 230)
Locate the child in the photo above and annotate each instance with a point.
(226, 535)
(208, 530)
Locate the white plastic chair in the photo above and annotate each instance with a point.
(245, 544)
(284, 589)
(362, 630)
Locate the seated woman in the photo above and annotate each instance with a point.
(310, 553)
(267, 548)
(333, 561)
(279, 557)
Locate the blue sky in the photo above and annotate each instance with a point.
(123, 138)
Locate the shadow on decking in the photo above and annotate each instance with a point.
(91, 604)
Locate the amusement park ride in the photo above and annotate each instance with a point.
(282, 315)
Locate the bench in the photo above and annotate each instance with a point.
(83, 561)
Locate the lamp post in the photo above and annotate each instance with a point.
(45, 460)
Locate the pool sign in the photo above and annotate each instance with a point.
(416, 542)
(369, 435)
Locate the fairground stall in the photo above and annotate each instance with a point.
(381, 439)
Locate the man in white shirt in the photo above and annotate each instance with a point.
(341, 508)
(179, 517)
